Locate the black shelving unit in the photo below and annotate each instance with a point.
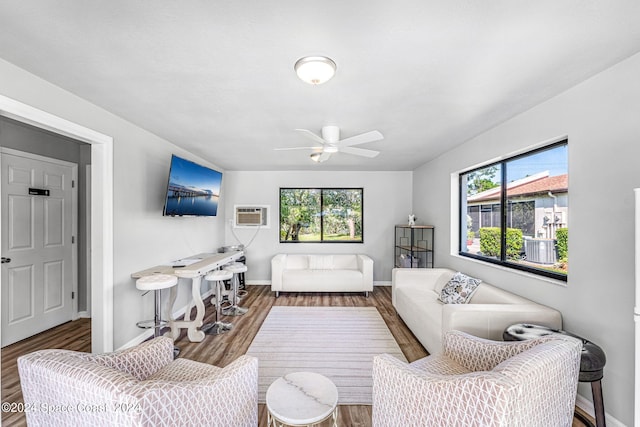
(413, 246)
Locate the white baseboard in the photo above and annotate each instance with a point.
(138, 339)
(84, 315)
(381, 283)
(587, 406)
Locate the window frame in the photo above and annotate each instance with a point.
(462, 193)
(321, 191)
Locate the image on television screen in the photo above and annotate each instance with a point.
(193, 189)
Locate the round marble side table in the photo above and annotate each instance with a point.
(301, 399)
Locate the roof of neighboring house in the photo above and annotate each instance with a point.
(540, 183)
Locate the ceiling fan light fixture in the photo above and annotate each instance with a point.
(315, 70)
(316, 157)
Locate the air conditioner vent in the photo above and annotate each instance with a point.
(251, 216)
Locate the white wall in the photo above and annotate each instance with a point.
(601, 118)
(387, 201)
(143, 238)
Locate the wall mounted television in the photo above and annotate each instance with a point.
(193, 189)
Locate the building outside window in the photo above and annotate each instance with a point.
(515, 212)
(321, 215)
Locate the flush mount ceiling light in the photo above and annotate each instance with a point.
(315, 70)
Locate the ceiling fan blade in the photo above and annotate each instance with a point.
(324, 156)
(374, 135)
(359, 151)
(312, 136)
(297, 148)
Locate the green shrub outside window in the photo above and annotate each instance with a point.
(514, 212)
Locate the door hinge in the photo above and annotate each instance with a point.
(73, 295)
(73, 239)
(73, 183)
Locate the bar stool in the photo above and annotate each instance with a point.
(242, 292)
(156, 283)
(217, 277)
(234, 310)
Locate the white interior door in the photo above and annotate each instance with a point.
(38, 243)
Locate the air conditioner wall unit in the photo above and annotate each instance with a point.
(251, 216)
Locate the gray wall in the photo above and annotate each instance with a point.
(387, 201)
(601, 119)
(23, 137)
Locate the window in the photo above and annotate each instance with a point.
(514, 212)
(321, 215)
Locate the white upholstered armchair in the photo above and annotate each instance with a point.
(140, 386)
(478, 382)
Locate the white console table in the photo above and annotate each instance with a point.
(194, 271)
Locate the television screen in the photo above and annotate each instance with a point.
(193, 189)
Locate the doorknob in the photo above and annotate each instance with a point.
(5, 260)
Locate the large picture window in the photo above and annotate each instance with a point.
(515, 212)
(321, 215)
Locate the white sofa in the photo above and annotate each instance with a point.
(321, 273)
(488, 313)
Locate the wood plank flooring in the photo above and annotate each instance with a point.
(74, 335)
(221, 350)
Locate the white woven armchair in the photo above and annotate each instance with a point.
(140, 386)
(478, 382)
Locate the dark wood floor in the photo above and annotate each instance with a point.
(221, 350)
(74, 335)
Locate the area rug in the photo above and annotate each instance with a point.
(337, 342)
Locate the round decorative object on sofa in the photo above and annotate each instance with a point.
(592, 362)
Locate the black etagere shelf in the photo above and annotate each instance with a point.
(413, 246)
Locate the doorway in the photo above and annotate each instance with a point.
(101, 211)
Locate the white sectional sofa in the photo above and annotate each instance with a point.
(321, 273)
(488, 313)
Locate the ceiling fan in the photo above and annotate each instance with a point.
(331, 143)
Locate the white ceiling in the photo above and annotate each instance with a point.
(216, 77)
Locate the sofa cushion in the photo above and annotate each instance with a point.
(297, 262)
(422, 312)
(440, 364)
(442, 280)
(326, 280)
(345, 262)
(459, 289)
(492, 295)
(321, 262)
